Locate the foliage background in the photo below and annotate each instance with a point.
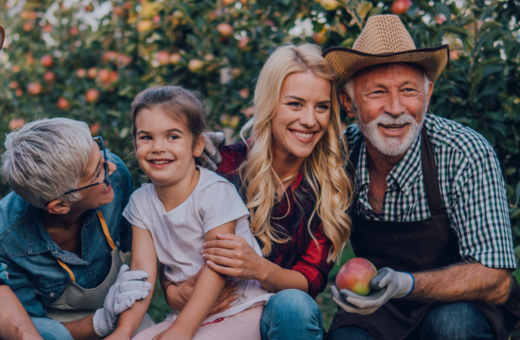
(118, 48)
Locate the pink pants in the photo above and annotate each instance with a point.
(244, 325)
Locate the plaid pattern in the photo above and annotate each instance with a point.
(472, 189)
(301, 253)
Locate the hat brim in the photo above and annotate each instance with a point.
(346, 62)
(2, 37)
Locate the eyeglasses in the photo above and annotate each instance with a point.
(107, 177)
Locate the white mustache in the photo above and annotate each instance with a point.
(391, 120)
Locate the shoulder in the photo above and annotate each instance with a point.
(143, 193)
(233, 156)
(13, 211)
(211, 180)
(456, 138)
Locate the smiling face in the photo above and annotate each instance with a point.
(302, 116)
(389, 105)
(164, 147)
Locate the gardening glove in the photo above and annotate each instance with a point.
(387, 284)
(130, 286)
(210, 158)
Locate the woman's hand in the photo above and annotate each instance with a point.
(178, 296)
(231, 255)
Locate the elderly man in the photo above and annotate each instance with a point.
(430, 211)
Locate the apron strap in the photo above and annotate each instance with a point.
(105, 230)
(109, 240)
(430, 176)
(71, 274)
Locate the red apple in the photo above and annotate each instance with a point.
(244, 93)
(92, 73)
(92, 96)
(16, 123)
(401, 6)
(18, 92)
(195, 65)
(94, 129)
(81, 73)
(49, 77)
(34, 88)
(47, 60)
(163, 58)
(355, 275)
(14, 85)
(63, 104)
(104, 75)
(27, 26)
(175, 58)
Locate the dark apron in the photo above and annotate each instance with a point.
(414, 247)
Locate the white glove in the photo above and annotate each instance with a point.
(129, 287)
(210, 158)
(388, 284)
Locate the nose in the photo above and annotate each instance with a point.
(308, 117)
(111, 168)
(158, 146)
(394, 106)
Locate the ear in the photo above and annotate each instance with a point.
(429, 95)
(199, 145)
(58, 207)
(346, 102)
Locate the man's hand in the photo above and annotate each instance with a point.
(178, 296)
(210, 158)
(129, 287)
(388, 284)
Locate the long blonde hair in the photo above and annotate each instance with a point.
(322, 170)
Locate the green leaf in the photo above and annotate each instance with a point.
(516, 214)
(443, 9)
(489, 25)
(363, 9)
(412, 10)
(510, 191)
(124, 133)
(347, 42)
(464, 33)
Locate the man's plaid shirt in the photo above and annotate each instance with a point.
(472, 189)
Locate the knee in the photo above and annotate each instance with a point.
(51, 330)
(292, 304)
(458, 320)
(350, 332)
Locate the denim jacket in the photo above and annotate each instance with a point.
(30, 254)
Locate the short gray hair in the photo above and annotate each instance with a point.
(349, 86)
(46, 158)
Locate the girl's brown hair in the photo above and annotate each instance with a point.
(180, 103)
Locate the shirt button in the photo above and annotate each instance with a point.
(55, 252)
(52, 294)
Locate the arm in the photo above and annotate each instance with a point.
(142, 244)
(466, 282)
(15, 323)
(177, 296)
(231, 255)
(205, 293)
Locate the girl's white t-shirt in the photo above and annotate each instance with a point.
(178, 234)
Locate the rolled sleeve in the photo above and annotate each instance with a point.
(481, 214)
(313, 263)
(4, 277)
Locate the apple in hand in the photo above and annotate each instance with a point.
(355, 275)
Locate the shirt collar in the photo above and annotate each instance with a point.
(405, 173)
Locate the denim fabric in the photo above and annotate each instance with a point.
(454, 321)
(30, 254)
(291, 314)
(3, 274)
(50, 329)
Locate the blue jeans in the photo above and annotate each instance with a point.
(291, 314)
(51, 330)
(457, 321)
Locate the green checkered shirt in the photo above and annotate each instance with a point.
(472, 189)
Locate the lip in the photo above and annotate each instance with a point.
(160, 166)
(391, 132)
(302, 138)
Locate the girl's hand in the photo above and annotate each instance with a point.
(231, 255)
(178, 296)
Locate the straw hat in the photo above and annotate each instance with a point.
(385, 40)
(2, 37)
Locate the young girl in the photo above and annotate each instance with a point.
(183, 207)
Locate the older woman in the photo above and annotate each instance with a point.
(290, 174)
(61, 230)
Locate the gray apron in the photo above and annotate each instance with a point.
(76, 302)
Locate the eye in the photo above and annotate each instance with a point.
(294, 104)
(409, 90)
(173, 137)
(145, 138)
(323, 107)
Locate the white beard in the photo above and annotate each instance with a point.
(390, 146)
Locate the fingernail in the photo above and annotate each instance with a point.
(204, 245)
(235, 297)
(203, 256)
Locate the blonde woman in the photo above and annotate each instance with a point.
(290, 174)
